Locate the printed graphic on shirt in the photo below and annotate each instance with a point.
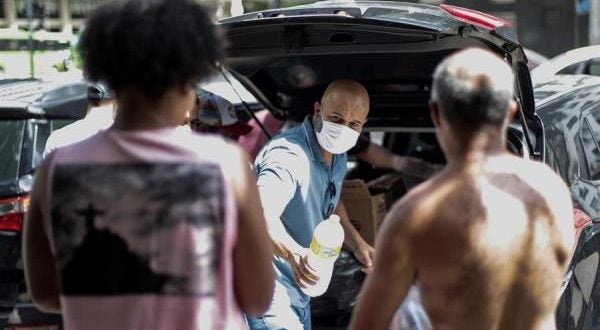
(138, 228)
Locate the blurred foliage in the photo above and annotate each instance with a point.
(58, 51)
(75, 56)
(61, 66)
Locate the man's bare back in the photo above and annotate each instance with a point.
(488, 239)
(486, 244)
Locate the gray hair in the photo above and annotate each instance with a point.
(473, 87)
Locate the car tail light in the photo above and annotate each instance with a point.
(581, 220)
(12, 212)
(475, 17)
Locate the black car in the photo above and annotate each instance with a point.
(286, 58)
(570, 109)
(29, 111)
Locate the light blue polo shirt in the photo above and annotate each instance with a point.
(295, 181)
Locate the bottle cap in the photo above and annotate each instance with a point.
(334, 218)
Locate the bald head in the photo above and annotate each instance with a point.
(473, 88)
(345, 88)
(344, 102)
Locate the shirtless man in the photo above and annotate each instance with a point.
(487, 239)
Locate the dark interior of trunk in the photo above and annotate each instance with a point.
(397, 83)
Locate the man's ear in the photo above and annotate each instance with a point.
(435, 113)
(316, 118)
(316, 109)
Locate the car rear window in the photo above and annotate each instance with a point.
(36, 133)
(11, 138)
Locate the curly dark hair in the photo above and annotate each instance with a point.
(152, 45)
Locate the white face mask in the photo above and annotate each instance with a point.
(336, 138)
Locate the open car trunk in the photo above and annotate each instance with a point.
(287, 57)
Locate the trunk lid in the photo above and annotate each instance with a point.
(286, 57)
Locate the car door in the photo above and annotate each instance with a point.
(586, 188)
(580, 302)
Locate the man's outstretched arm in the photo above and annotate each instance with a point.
(277, 176)
(392, 276)
(380, 157)
(354, 241)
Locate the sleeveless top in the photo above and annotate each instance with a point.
(142, 226)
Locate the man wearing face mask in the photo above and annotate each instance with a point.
(299, 176)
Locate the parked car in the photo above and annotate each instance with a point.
(286, 58)
(29, 111)
(584, 60)
(569, 107)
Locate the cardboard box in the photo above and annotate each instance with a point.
(366, 211)
(391, 184)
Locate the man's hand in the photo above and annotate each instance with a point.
(365, 253)
(354, 242)
(303, 274)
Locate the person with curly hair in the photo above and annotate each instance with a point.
(146, 225)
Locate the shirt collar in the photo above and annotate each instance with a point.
(313, 144)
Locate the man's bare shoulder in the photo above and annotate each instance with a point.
(550, 186)
(415, 208)
(537, 175)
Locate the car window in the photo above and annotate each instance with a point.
(36, 133)
(43, 132)
(44, 128)
(590, 136)
(571, 69)
(11, 137)
(593, 67)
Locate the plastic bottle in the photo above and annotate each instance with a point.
(325, 247)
